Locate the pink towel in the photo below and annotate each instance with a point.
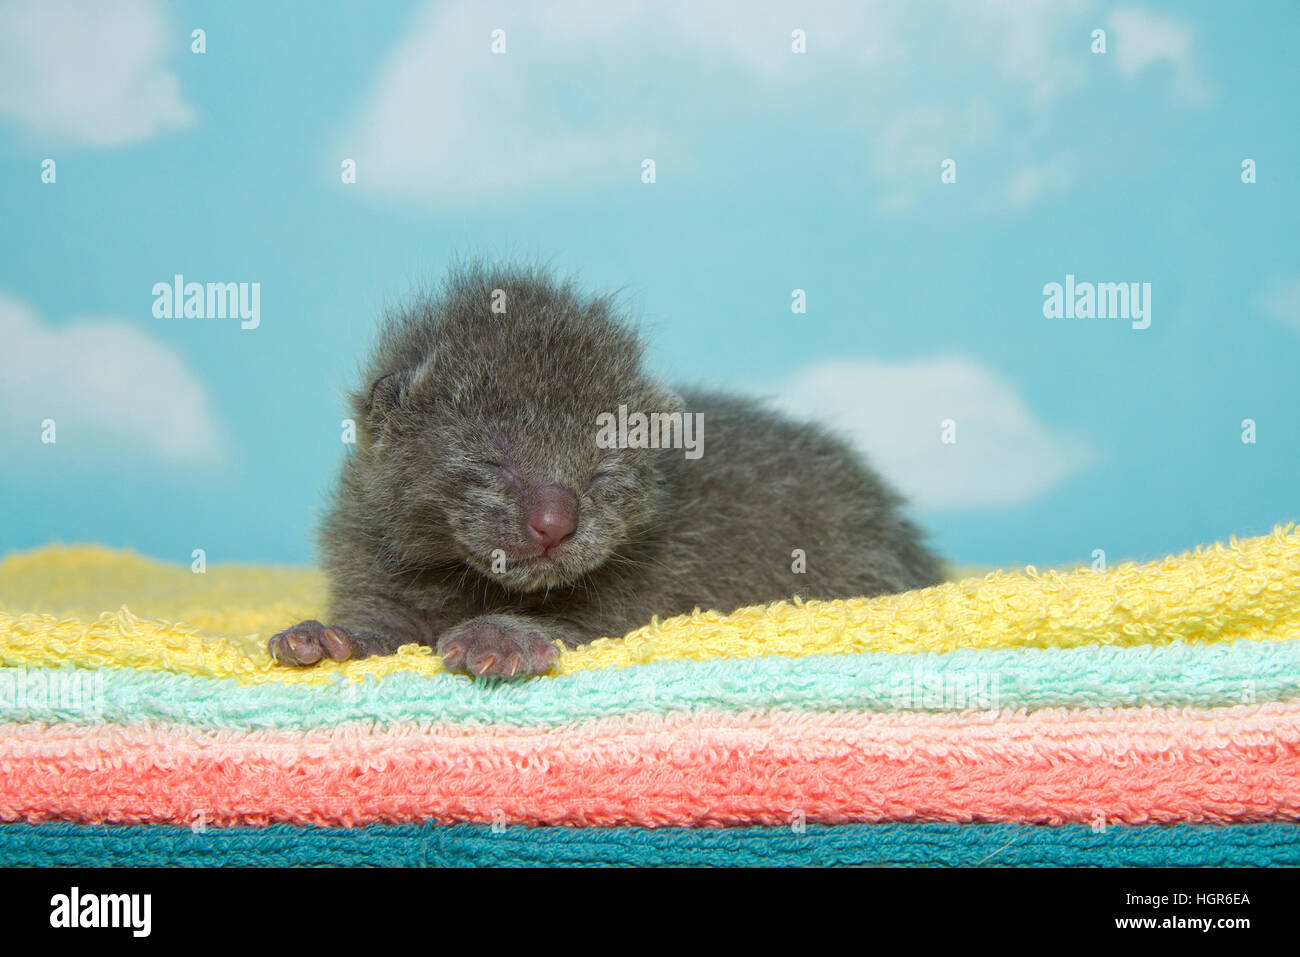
(1128, 766)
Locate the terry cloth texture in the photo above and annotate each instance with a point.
(1148, 714)
(477, 845)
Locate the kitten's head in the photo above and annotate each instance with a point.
(479, 431)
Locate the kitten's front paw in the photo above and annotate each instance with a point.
(498, 646)
(309, 642)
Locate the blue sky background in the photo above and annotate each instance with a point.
(775, 171)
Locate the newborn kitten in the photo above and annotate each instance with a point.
(478, 513)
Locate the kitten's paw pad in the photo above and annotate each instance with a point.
(309, 642)
(497, 648)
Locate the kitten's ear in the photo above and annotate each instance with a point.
(386, 394)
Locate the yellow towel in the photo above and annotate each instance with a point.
(217, 623)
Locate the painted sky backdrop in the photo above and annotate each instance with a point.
(775, 171)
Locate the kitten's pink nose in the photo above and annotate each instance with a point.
(552, 515)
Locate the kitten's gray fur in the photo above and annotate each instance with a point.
(463, 413)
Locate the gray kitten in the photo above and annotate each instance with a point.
(479, 513)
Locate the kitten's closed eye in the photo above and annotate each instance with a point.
(493, 472)
(609, 487)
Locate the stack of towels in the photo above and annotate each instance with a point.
(1145, 714)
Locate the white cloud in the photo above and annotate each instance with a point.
(107, 385)
(90, 74)
(449, 121)
(1004, 455)
(1281, 301)
(587, 89)
(1139, 39)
